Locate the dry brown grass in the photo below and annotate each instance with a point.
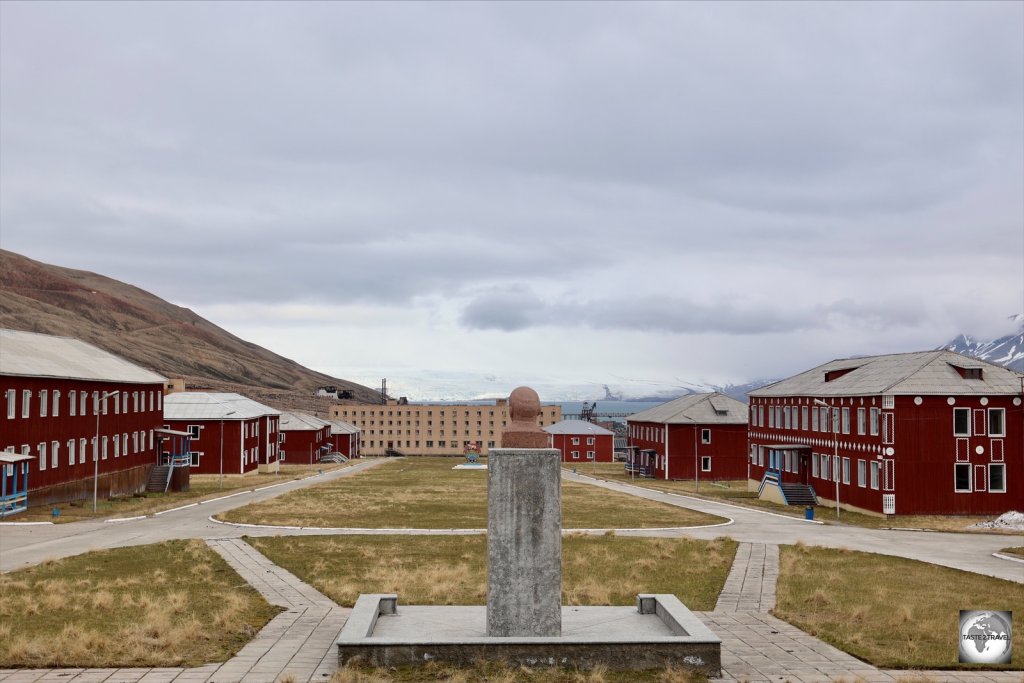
(889, 611)
(428, 493)
(140, 606)
(505, 673)
(451, 570)
(1017, 552)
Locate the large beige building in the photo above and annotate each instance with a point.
(432, 429)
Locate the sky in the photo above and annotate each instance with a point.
(472, 195)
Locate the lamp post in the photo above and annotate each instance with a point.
(221, 480)
(96, 450)
(836, 465)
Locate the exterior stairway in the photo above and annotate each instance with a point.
(799, 494)
(157, 482)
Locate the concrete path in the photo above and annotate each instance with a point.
(750, 586)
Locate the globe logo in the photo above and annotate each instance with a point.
(985, 637)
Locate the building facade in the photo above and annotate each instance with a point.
(304, 438)
(76, 409)
(344, 438)
(932, 432)
(230, 434)
(700, 436)
(432, 429)
(581, 441)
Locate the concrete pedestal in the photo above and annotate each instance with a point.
(524, 543)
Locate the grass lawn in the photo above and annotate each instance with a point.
(452, 570)
(171, 604)
(427, 493)
(735, 492)
(202, 486)
(495, 673)
(889, 611)
(1018, 551)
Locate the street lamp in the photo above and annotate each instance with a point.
(221, 480)
(96, 449)
(835, 450)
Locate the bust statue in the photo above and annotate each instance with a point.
(523, 430)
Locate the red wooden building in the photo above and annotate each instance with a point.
(933, 432)
(344, 438)
(581, 441)
(304, 438)
(230, 434)
(51, 388)
(702, 436)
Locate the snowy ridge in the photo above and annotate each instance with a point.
(1007, 351)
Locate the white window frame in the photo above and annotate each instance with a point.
(44, 402)
(103, 454)
(590, 441)
(705, 436)
(1002, 421)
(862, 421)
(846, 470)
(967, 421)
(193, 431)
(575, 441)
(970, 477)
(1000, 466)
(874, 414)
(846, 419)
(862, 473)
(814, 465)
(575, 455)
(803, 418)
(42, 455)
(26, 403)
(705, 463)
(590, 455)
(82, 448)
(12, 399)
(876, 475)
(72, 402)
(55, 403)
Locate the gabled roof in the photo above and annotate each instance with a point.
(340, 427)
(297, 422)
(923, 372)
(712, 408)
(578, 427)
(201, 405)
(27, 354)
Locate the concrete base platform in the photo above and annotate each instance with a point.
(658, 632)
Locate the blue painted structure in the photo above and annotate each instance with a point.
(13, 488)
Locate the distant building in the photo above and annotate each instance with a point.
(52, 387)
(933, 432)
(304, 438)
(344, 438)
(581, 441)
(229, 432)
(700, 435)
(431, 429)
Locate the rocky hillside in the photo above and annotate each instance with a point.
(147, 330)
(1007, 350)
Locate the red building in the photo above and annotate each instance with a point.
(230, 434)
(702, 436)
(68, 403)
(581, 441)
(344, 438)
(933, 432)
(304, 438)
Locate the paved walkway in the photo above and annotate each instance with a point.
(750, 586)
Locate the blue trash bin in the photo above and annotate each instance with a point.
(809, 512)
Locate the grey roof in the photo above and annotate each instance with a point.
(712, 408)
(580, 427)
(28, 354)
(296, 422)
(340, 427)
(922, 372)
(201, 405)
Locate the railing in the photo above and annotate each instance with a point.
(639, 470)
(13, 503)
(772, 477)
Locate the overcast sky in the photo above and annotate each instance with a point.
(659, 192)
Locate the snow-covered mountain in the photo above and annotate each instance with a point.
(1007, 350)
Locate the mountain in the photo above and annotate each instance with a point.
(1007, 350)
(154, 333)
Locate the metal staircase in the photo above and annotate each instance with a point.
(799, 494)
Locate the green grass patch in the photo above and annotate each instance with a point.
(170, 604)
(452, 570)
(889, 611)
(427, 493)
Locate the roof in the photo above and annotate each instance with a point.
(28, 354)
(923, 372)
(712, 408)
(581, 427)
(297, 422)
(201, 405)
(340, 427)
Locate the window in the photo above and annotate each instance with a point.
(193, 432)
(862, 473)
(824, 419)
(824, 466)
(83, 397)
(771, 417)
(961, 421)
(874, 474)
(705, 463)
(705, 436)
(43, 402)
(861, 421)
(997, 422)
(803, 418)
(117, 447)
(590, 455)
(760, 416)
(103, 454)
(11, 397)
(81, 451)
(962, 477)
(42, 456)
(56, 403)
(72, 402)
(590, 441)
(26, 403)
(575, 455)
(835, 420)
(997, 477)
(814, 420)
(54, 449)
(814, 464)
(71, 452)
(846, 470)
(846, 420)
(193, 458)
(575, 441)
